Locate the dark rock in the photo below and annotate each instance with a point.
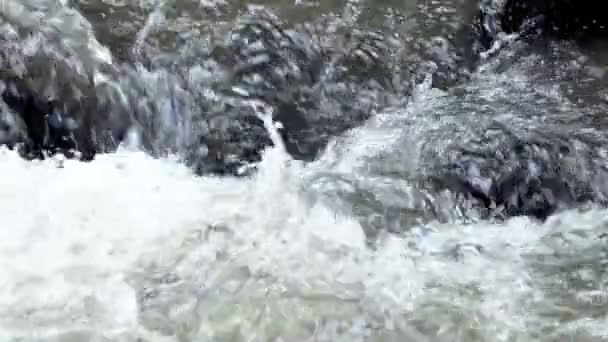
(70, 100)
(557, 19)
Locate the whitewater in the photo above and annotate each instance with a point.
(138, 246)
(134, 248)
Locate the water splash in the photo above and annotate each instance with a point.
(156, 18)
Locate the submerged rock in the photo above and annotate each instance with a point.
(62, 92)
(532, 164)
(69, 95)
(513, 151)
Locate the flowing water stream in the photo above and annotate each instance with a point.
(348, 246)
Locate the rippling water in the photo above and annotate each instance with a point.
(351, 246)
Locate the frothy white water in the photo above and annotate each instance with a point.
(71, 233)
(130, 247)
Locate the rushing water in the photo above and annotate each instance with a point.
(351, 246)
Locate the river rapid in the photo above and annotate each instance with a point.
(139, 245)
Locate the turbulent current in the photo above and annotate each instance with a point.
(312, 171)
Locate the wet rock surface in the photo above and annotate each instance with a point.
(197, 80)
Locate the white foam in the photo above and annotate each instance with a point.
(72, 238)
(69, 233)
